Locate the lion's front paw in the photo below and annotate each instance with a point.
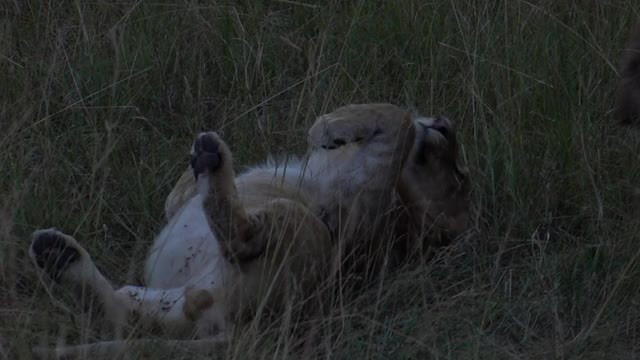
(53, 252)
(206, 153)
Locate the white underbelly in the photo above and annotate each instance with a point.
(186, 252)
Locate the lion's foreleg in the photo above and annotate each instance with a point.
(213, 167)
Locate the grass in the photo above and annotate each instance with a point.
(100, 102)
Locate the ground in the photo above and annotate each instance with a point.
(100, 102)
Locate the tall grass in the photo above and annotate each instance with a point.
(100, 101)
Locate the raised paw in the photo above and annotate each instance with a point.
(53, 252)
(206, 153)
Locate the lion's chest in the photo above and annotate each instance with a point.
(186, 252)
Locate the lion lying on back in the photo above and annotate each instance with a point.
(280, 234)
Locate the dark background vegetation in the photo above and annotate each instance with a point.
(99, 103)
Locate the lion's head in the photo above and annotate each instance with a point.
(435, 185)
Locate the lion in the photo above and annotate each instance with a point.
(628, 96)
(278, 235)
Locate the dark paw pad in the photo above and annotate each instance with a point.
(52, 254)
(205, 155)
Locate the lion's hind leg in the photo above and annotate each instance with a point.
(296, 237)
(294, 269)
(181, 310)
(63, 260)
